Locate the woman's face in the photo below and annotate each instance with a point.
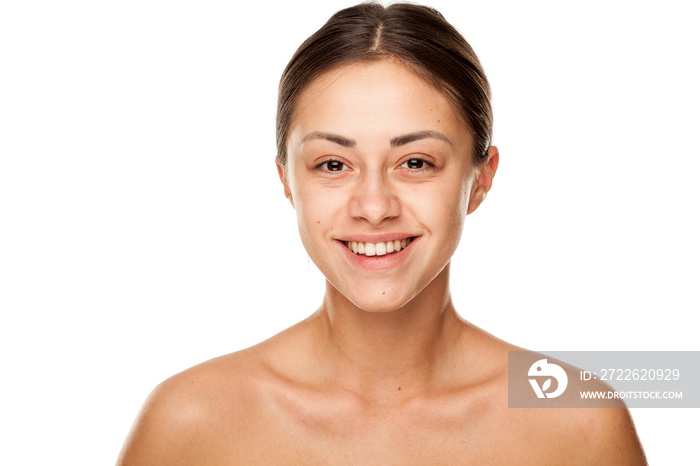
(379, 172)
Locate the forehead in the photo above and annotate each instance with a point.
(374, 102)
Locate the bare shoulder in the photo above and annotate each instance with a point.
(197, 416)
(599, 436)
(602, 436)
(181, 416)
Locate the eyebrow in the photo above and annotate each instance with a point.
(394, 142)
(336, 138)
(417, 136)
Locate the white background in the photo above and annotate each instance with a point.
(144, 230)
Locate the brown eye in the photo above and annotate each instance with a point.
(332, 165)
(414, 164)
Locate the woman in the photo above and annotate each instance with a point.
(384, 146)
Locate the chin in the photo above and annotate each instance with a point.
(378, 301)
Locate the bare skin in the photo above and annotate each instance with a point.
(286, 402)
(385, 371)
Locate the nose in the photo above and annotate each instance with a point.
(373, 198)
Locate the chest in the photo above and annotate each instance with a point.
(440, 436)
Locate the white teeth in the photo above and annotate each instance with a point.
(377, 249)
(380, 248)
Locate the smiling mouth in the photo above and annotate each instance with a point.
(377, 249)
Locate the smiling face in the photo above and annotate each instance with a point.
(379, 171)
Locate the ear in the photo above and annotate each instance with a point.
(484, 179)
(281, 171)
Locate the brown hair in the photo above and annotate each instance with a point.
(417, 36)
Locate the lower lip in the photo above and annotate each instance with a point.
(378, 263)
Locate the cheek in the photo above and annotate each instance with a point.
(316, 214)
(446, 201)
(446, 213)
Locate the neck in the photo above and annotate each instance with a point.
(375, 353)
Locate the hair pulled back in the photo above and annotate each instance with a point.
(417, 36)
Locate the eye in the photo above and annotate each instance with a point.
(332, 165)
(415, 164)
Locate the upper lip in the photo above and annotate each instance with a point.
(376, 237)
